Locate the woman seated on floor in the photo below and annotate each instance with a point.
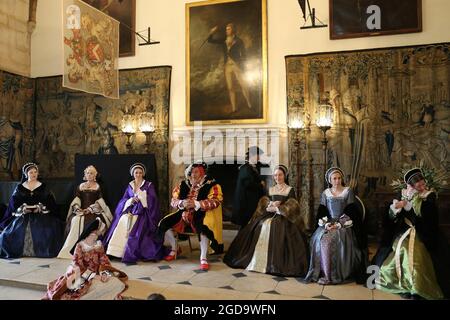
(90, 276)
(273, 241)
(31, 226)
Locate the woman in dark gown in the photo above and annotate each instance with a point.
(273, 241)
(32, 226)
(84, 209)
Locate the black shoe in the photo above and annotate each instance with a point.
(406, 296)
(218, 248)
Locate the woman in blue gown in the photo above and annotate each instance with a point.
(32, 226)
(337, 252)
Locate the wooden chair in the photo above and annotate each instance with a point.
(187, 236)
(361, 207)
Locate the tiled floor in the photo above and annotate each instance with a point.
(26, 278)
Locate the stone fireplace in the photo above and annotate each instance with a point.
(224, 148)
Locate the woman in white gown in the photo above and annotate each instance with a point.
(84, 209)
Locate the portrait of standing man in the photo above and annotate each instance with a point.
(234, 63)
(226, 62)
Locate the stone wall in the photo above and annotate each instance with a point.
(15, 31)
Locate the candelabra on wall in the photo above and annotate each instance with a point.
(147, 127)
(324, 120)
(129, 129)
(298, 124)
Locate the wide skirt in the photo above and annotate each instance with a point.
(421, 281)
(269, 244)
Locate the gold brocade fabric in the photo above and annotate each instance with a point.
(290, 209)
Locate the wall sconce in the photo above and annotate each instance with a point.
(324, 120)
(129, 129)
(147, 127)
(297, 123)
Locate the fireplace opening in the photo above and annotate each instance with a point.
(226, 175)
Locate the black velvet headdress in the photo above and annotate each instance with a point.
(254, 150)
(94, 225)
(27, 167)
(198, 163)
(285, 171)
(411, 174)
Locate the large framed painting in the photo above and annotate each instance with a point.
(123, 11)
(226, 61)
(363, 18)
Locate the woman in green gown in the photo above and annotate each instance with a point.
(404, 257)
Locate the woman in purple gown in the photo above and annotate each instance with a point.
(133, 233)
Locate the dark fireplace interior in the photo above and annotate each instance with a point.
(226, 175)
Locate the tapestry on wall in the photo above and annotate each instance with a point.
(69, 123)
(16, 124)
(391, 110)
(91, 50)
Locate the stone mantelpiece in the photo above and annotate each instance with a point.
(224, 144)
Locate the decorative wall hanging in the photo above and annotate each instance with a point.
(226, 62)
(16, 124)
(91, 50)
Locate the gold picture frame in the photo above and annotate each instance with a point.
(226, 62)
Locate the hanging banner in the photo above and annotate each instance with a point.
(91, 50)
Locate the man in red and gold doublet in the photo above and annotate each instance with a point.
(199, 203)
